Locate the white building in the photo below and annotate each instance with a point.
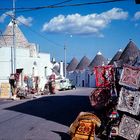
(27, 60)
(83, 74)
(80, 72)
(71, 74)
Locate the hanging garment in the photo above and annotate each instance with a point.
(100, 97)
(83, 128)
(129, 128)
(129, 101)
(104, 75)
(130, 77)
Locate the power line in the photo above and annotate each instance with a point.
(39, 34)
(29, 8)
(70, 5)
(58, 5)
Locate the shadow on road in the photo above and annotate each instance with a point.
(64, 136)
(60, 109)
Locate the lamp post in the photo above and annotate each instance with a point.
(65, 58)
(14, 45)
(65, 61)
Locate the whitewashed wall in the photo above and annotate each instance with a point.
(90, 79)
(23, 60)
(5, 64)
(78, 76)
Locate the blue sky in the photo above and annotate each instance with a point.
(84, 30)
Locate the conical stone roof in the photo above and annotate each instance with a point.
(130, 53)
(83, 64)
(7, 38)
(116, 57)
(98, 60)
(72, 65)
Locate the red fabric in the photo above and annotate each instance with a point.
(100, 97)
(104, 75)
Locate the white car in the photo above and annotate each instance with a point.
(65, 84)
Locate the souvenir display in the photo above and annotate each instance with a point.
(129, 128)
(104, 75)
(100, 97)
(130, 77)
(129, 101)
(83, 128)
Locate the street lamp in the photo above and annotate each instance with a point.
(65, 61)
(13, 53)
(65, 58)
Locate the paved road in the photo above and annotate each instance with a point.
(46, 118)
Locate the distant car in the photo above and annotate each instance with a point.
(73, 86)
(65, 84)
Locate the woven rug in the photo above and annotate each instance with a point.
(129, 101)
(129, 128)
(104, 75)
(130, 77)
(99, 97)
(83, 128)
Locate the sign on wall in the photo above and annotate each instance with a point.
(4, 90)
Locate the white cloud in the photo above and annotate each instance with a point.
(90, 24)
(27, 21)
(137, 16)
(21, 19)
(4, 15)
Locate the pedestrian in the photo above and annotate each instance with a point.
(12, 81)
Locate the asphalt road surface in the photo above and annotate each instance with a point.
(45, 118)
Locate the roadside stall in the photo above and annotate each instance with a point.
(116, 100)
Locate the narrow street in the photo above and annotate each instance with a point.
(45, 118)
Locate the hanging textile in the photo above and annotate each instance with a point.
(100, 97)
(129, 101)
(83, 128)
(130, 77)
(104, 75)
(129, 128)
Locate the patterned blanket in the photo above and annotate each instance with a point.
(129, 128)
(83, 128)
(129, 101)
(99, 97)
(104, 75)
(130, 77)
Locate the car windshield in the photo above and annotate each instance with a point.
(62, 81)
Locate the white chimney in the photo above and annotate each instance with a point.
(61, 69)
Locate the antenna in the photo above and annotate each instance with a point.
(14, 42)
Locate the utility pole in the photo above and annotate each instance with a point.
(65, 61)
(14, 42)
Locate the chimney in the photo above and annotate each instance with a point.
(61, 69)
(53, 60)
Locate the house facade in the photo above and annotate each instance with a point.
(26, 58)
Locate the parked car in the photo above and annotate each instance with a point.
(65, 84)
